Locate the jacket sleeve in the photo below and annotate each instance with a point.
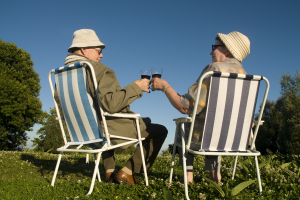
(113, 98)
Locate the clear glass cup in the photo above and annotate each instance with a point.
(145, 73)
(156, 72)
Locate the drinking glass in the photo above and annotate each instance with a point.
(145, 73)
(156, 72)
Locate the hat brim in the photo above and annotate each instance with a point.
(85, 44)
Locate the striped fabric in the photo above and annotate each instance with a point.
(77, 104)
(230, 110)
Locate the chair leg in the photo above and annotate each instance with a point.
(87, 158)
(142, 152)
(186, 188)
(94, 174)
(173, 155)
(258, 175)
(234, 167)
(98, 174)
(56, 169)
(144, 164)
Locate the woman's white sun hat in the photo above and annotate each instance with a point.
(85, 38)
(237, 43)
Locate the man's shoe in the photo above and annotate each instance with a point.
(124, 178)
(110, 176)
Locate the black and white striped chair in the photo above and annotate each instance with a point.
(229, 117)
(81, 119)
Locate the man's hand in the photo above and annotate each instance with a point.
(159, 84)
(143, 84)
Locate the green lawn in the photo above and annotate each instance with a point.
(28, 175)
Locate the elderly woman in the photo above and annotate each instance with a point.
(227, 55)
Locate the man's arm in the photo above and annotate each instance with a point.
(113, 97)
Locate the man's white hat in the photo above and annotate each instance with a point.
(237, 43)
(85, 38)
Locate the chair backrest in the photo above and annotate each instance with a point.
(77, 104)
(230, 110)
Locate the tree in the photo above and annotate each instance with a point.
(290, 91)
(281, 130)
(269, 133)
(50, 137)
(20, 107)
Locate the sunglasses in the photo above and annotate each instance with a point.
(99, 51)
(216, 46)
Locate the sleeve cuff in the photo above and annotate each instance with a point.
(136, 89)
(184, 101)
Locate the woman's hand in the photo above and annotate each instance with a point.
(159, 84)
(143, 84)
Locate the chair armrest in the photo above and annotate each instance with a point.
(256, 122)
(123, 115)
(182, 120)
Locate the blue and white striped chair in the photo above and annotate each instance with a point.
(80, 116)
(229, 117)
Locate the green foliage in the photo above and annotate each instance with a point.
(244, 166)
(285, 165)
(219, 189)
(281, 129)
(165, 152)
(50, 136)
(237, 189)
(27, 175)
(167, 195)
(288, 172)
(264, 164)
(20, 107)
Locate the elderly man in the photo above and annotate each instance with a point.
(86, 46)
(227, 55)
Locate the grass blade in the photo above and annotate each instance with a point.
(244, 166)
(49, 150)
(167, 195)
(237, 189)
(262, 165)
(285, 165)
(288, 172)
(216, 186)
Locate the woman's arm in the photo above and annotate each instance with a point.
(172, 95)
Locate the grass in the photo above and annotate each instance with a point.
(28, 175)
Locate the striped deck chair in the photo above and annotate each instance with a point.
(81, 119)
(228, 122)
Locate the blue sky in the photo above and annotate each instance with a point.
(141, 34)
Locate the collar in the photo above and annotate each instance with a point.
(73, 58)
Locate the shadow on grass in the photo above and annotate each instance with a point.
(69, 168)
(74, 168)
